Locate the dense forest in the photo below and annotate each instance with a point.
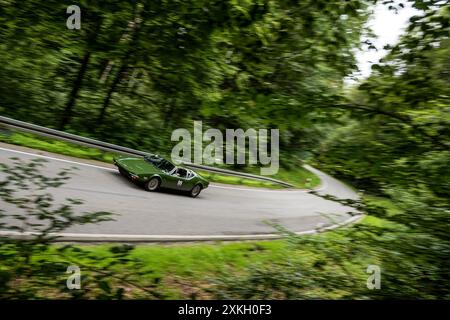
(138, 69)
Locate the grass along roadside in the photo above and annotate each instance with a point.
(56, 146)
(226, 179)
(300, 177)
(182, 269)
(187, 271)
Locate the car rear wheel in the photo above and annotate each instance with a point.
(196, 190)
(152, 184)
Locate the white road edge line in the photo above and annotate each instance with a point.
(324, 185)
(57, 159)
(85, 237)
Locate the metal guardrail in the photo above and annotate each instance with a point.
(237, 174)
(43, 131)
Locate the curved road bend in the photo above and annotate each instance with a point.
(220, 211)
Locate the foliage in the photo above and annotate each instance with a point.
(394, 142)
(333, 265)
(136, 70)
(139, 69)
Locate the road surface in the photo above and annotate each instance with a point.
(220, 212)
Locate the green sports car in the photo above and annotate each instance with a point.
(154, 172)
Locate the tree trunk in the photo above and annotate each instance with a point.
(110, 92)
(106, 72)
(91, 40)
(124, 65)
(74, 93)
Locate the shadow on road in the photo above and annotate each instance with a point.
(139, 186)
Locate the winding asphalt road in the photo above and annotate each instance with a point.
(221, 212)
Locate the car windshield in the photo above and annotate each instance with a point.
(160, 163)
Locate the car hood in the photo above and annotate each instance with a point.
(203, 179)
(135, 165)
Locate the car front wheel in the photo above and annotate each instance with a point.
(196, 190)
(152, 184)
